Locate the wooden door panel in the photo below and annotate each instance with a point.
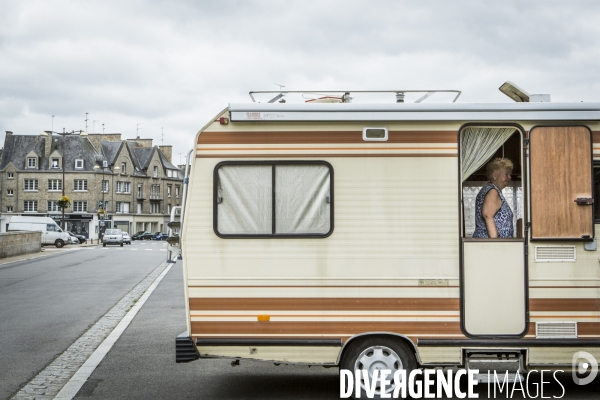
(561, 171)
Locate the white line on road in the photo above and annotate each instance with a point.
(81, 376)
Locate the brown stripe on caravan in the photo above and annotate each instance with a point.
(321, 328)
(564, 304)
(596, 136)
(312, 137)
(324, 304)
(588, 328)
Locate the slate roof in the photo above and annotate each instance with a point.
(110, 151)
(16, 148)
(144, 155)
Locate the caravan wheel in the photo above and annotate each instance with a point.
(380, 353)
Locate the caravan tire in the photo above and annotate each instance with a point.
(378, 352)
(59, 243)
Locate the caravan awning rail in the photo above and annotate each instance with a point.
(414, 112)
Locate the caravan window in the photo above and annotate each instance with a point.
(273, 199)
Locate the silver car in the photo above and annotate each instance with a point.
(112, 236)
(126, 238)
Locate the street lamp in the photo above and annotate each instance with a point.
(64, 158)
(101, 216)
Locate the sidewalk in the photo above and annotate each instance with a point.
(46, 251)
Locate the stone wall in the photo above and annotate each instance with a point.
(20, 242)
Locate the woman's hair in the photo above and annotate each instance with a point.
(498, 164)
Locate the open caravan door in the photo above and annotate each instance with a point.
(493, 272)
(561, 183)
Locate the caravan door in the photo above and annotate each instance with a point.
(493, 272)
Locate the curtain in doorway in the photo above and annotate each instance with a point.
(478, 145)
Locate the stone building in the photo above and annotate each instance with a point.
(127, 184)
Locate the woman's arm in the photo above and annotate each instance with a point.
(491, 205)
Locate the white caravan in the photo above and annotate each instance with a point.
(52, 234)
(341, 234)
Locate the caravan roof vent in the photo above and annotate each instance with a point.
(521, 96)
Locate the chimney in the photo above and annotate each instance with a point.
(8, 133)
(167, 151)
(48, 146)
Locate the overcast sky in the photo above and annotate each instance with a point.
(175, 64)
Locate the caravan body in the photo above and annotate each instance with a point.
(314, 232)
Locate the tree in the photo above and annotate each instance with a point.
(63, 202)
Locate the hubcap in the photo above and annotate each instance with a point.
(379, 358)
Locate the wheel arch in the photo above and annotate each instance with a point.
(403, 338)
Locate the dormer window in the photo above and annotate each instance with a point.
(123, 168)
(32, 162)
(155, 172)
(55, 163)
(79, 164)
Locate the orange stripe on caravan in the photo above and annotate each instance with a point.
(323, 304)
(312, 137)
(316, 328)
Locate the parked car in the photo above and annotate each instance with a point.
(160, 236)
(73, 240)
(141, 235)
(79, 236)
(112, 236)
(126, 238)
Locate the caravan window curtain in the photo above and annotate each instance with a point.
(478, 145)
(244, 199)
(301, 193)
(273, 199)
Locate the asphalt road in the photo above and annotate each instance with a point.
(48, 302)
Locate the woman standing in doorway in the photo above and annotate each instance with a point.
(493, 216)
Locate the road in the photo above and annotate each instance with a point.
(48, 302)
(51, 301)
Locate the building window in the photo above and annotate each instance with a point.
(104, 186)
(123, 187)
(55, 163)
(10, 175)
(177, 191)
(155, 172)
(52, 206)
(80, 185)
(168, 209)
(122, 207)
(30, 206)
(169, 187)
(9, 208)
(154, 208)
(32, 162)
(155, 192)
(10, 192)
(79, 164)
(123, 168)
(139, 194)
(54, 184)
(30, 185)
(247, 204)
(80, 206)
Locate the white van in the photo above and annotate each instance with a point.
(51, 232)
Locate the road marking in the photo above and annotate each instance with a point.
(81, 376)
(88, 350)
(148, 249)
